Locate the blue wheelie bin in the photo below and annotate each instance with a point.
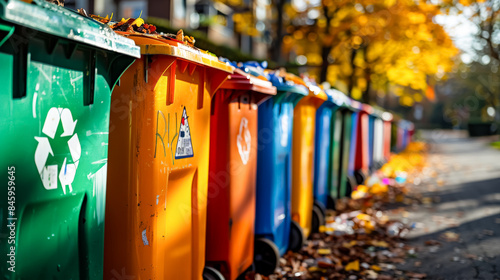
(274, 229)
(326, 160)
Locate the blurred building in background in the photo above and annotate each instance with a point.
(240, 24)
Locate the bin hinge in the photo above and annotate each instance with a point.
(20, 75)
(89, 79)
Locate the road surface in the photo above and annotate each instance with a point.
(461, 195)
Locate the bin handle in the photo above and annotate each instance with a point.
(9, 30)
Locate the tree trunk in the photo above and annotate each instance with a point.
(276, 46)
(325, 52)
(352, 78)
(366, 95)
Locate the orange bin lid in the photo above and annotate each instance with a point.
(316, 91)
(153, 45)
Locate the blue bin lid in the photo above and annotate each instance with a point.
(61, 22)
(284, 85)
(253, 68)
(338, 98)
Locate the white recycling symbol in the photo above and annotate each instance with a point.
(243, 141)
(48, 174)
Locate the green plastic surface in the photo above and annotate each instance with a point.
(55, 104)
(345, 147)
(335, 150)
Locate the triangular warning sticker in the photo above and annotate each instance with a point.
(184, 147)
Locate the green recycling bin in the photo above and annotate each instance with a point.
(345, 182)
(58, 69)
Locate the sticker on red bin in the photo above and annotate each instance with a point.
(184, 147)
(243, 141)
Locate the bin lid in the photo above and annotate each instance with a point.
(408, 125)
(366, 108)
(337, 97)
(244, 81)
(286, 82)
(316, 91)
(355, 105)
(381, 114)
(254, 68)
(61, 22)
(386, 116)
(156, 45)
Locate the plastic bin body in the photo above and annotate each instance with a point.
(274, 166)
(371, 140)
(400, 135)
(362, 143)
(304, 127)
(345, 152)
(233, 171)
(387, 140)
(324, 142)
(378, 142)
(54, 104)
(338, 176)
(353, 144)
(328, 148)
(158, 162)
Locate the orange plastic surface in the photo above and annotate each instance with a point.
(157, 185)
(304, 129)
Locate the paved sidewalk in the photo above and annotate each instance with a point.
(461, 195)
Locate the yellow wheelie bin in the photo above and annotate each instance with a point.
(304, 127)
(158, 162)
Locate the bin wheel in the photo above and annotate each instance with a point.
(210, 273)
(266, 256)
(318, 219)
(360, 176)
(321, 207)
(350, 185)
(330, 204)
(296, 241)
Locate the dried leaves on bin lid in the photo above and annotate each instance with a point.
(138, 25)
(134, 26)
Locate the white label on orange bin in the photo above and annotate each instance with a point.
(184, 147)
(243, 141)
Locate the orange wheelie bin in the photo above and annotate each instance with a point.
(304, 127)
(158, 162)
(233, 171)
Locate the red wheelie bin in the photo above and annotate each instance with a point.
(232, 173)
(361, 160)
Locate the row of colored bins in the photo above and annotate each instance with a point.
(355, 140)
(173, 201)
(58, 70)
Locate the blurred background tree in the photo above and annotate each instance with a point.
(364, 46)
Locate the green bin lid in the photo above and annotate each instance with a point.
(61, 22)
